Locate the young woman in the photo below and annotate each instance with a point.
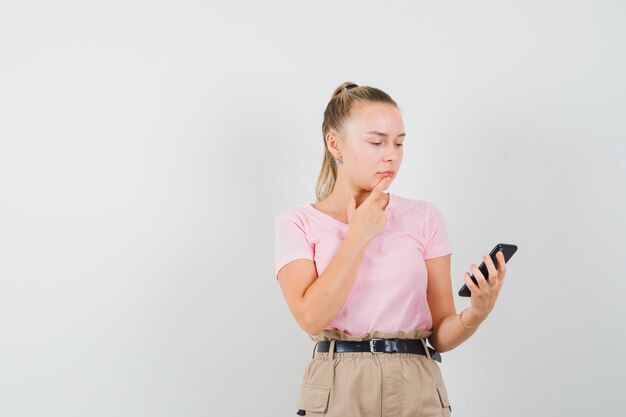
(366, 274)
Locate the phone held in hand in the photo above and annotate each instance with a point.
(507, 250)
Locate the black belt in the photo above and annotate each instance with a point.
(380, 346)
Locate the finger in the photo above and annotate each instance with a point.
(482, 283)
(470, 284)
(378, 189)
(381, 195)
(491, 269)
(501, 262)
(501, 278)
(501, 267)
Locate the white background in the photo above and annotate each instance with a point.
(146, 148)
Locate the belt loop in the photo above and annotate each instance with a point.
(328, 366)
(426, 348)
(314, 349)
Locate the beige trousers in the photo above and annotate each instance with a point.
(366, 384)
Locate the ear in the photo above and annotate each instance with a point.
(332, 143)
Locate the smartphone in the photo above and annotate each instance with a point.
(508, 251)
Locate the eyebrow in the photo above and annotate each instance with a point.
(374, 132)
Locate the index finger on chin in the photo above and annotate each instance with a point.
(381, 185)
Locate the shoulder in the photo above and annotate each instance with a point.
(298, 215)
(296, 212)
(417, 206)
(425, 212)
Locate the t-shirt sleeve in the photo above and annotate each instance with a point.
(435, 234)
(291, 241)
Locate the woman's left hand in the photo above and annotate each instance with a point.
(484, 295)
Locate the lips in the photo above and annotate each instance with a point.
(387, 173)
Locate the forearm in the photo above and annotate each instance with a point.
(450, 331)
(325, 298)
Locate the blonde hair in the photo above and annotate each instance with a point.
(336, 113)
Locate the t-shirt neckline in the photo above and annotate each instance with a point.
(331, 218)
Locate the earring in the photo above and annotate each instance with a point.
(337, 161)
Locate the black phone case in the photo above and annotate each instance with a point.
(508, 251)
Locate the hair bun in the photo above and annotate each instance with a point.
(349, 86)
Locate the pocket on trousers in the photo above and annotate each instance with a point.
(443, 397)
(314, 397)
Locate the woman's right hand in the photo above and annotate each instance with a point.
(369, 218)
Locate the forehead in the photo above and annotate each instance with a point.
(382, 117)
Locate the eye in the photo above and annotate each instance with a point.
(380, 143)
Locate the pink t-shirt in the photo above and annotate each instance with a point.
(389, 293)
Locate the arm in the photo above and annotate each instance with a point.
(325, 298)
(448, 330)
(316, 301)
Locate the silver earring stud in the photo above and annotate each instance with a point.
(337, 161)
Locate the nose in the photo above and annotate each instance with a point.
(392, 152)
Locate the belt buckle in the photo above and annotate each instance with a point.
(372, 346)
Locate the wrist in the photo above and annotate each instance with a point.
(355, 239)
(471, 318)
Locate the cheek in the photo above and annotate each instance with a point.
(366, 160)
(371, 154)
(367, 156)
